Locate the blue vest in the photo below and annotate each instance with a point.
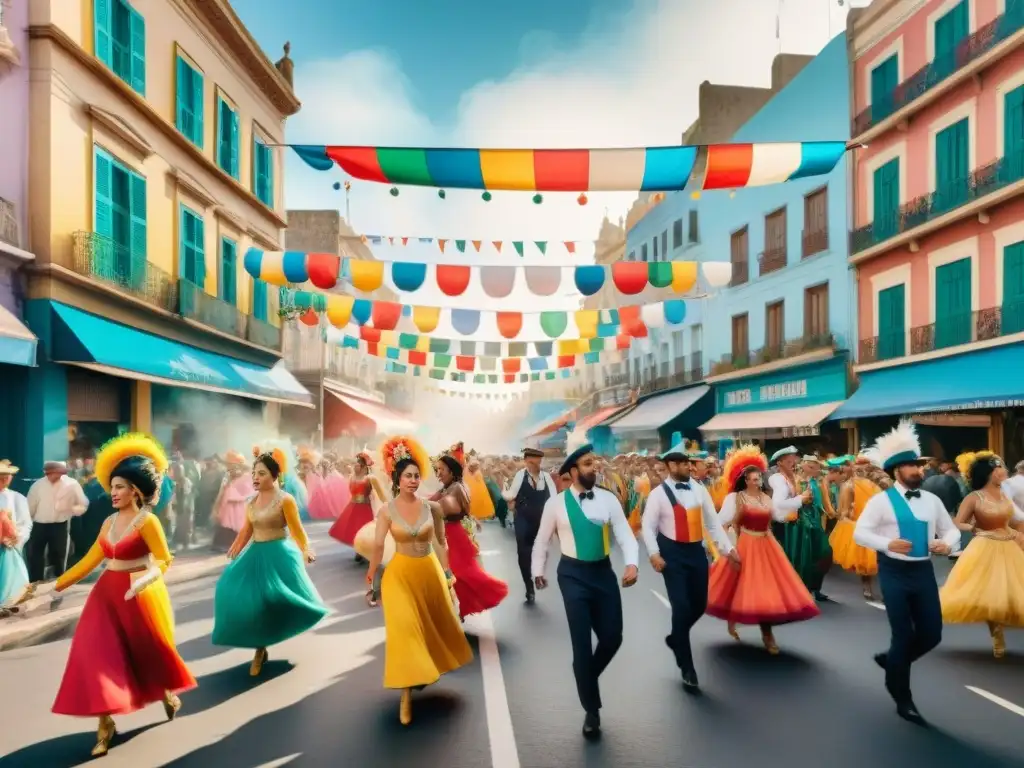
(911, 529)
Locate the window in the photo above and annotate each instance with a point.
(192, 247)
(884, 80)
(816, 325)
(892, 323)
(227, 138)
(263, 172)
(677, 234)
(952, 165)
(664, 245)
(886, 183)
(632, 256)
(775, 325)
(654, 249)
(953, 304)
(643, 252)
(950, 30)
(228, 273)
(774, 256)
(815, 239)
(740, 337)
(694, 234)
(120, 41)
(119, 221)
(189, 102)
(739, 255)
(259, 300)
(1013, 131)
(1013, 289)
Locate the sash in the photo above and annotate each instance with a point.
(911, 529)
(592, 540)
(689, 523)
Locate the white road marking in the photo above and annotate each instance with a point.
(490, 552)
(504, 751)
(875, 604)
(282, 761)
(1009, 705)
(662, 598)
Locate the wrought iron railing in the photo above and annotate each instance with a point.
(102, 259)
(740, 273)
(959, 192)
(814, 241)
(772, 260)
(772, 352)
(196, 304)
(973, 47)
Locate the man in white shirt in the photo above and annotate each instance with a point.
(530, 490)
(584, 518)
(678, 513)
(906, 525)
(52, 501)
(16, 506)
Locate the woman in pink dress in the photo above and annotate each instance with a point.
(359, 511)
(307, 468)
(229, 508)
(332, 494)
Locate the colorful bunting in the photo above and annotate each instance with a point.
(442, 374)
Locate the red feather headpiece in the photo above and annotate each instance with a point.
(457, 452)
(738, 461)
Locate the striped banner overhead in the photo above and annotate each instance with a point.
(650, 169)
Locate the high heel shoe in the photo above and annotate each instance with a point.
(405, 707)
(998, 641)
(733, 633)
(769, 643)
(104, 735)
(258, 661)
(171, 705)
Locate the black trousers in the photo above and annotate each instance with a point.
(526, 534)
(593, 606)
(911, 597)
(47, 545)
(686, 582)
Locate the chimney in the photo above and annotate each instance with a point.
(286, 66)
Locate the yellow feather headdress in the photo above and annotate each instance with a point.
(397, 448)
(123, 447)
(965, 461)
(277, 454)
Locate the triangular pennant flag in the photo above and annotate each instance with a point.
(405, 241)
(441, 244)
(542, 246)
(570, 246)
(497, 245)
(518, 246)
(461, 245)
(477, 244)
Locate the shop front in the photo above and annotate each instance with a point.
(650, 424)
(790, 406)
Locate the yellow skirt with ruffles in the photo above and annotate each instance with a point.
(848, 554)
(481, 507)
(986, 584)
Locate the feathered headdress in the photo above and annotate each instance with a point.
(965, 461)
(305, 453)
(899, 446)
(277, 454)
(123, 447)
(457, 452)
(397, 448)
(743, 457)
(365, 457)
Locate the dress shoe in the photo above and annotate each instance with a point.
(882, 660)
(909, 712)
(592, 725)
(690, 683)
(530, 598)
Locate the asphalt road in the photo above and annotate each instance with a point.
(320, 700)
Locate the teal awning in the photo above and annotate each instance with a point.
(17, 343)
(80, 338)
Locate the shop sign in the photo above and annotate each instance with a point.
(769, 393)
(810, 384)
(954, 420)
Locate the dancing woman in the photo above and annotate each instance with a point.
(854, 492)
(265, 596)
(123, 655)
(987, 582)
(423, 637)
(359, 511)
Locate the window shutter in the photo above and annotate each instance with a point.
(101, 29)
(234, 143)
(103, 183)
(186, 245)
(137, 212)
(199, 275)
(198, 134)
(1013, 133)
(1013, 289)
(182, 121)
(138, 52)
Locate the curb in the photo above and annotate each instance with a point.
(45, 629)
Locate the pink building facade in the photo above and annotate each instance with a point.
(938, 202)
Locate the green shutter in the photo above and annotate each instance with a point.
(101, 31)
(1013, 136)
(199, 275)
(137, 211)
(952, 165)
(186, 244)
(953, 318)
(950, 31)
(259, 300)
(892, 331)
(884, 79)
(234, 144)
(137, 46)
(263, 169)
(183, 116)
(227, 138)
(189, 100)
(198, 104)
(103, 214)
(228, 276)
(1013, 289)
(887, 199)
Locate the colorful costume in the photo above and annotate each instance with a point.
(359, 511)
(846, 553)
(229, 508)
(481, 507)
(331, 497)
(15, 528)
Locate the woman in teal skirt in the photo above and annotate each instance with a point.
(265, 596)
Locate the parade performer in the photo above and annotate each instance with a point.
(854, 493)
(987, 582)
(423, 636)
(802, 537)
(477, 591)
(15, 528)
(500, 505)
(123, 655)
(480, 505)
(332, 494)
(229, 506)
(359, 511)
(265, 596)
(806, 541)
(678, 515)
(530, 490)
(584, 517)
(766, 590)
(907, 525)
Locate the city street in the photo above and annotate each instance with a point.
(320, 701)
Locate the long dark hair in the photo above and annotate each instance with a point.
(981, 471)
(741, 481)
(453, 466)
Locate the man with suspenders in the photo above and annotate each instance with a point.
(678, 515)
(530, 490)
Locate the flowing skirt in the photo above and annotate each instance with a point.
(330, 498)
(352, 519)
(806, 545)
(265, 597)
(765, 590)
(122, 655)
(476, 589)
(848, 554)
(13, 576)
(481, 507)
(986, 584)
(424, 638)
(364, 543)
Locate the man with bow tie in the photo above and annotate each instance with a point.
(585, 517)
(678, 515)
(907, 526)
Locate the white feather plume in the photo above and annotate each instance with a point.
(900, 439)
(575, 439)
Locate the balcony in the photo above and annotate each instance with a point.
(100, 258)
(985, 187)
(774, 353)
(969, 328)
(196, 304)
(772, 260)
(970, 57)
(740, 273)
(262, 333)
(813, 242)
(659, 381)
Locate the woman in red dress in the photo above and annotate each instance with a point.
(359, 511)
(765, 590)
(123, 655)
(477, 591)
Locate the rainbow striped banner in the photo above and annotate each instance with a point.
(650, 169)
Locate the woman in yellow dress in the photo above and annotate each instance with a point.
(987, 582)
(424, 637)
(480, 505)
(846, 553)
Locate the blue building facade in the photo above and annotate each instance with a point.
(773, 344)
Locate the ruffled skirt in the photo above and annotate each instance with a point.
(848, 554)
(986, 584)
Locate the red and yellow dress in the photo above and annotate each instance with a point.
(123, 655)
(357, 513)
(846, 553)
(766, 589)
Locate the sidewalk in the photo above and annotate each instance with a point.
(40, 620)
